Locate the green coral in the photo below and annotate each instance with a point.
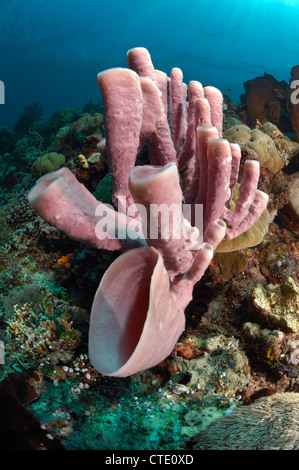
(7, 140)
(70, 337)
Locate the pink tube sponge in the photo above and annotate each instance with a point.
(145, 329)
(138, 310)
(62, 201)
(158, 190)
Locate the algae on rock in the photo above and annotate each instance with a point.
(278, 308)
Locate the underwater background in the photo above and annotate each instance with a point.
(241, 343)
(51, 52)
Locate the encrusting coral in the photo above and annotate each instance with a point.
(289, 214)
(257, 145)
(278, 307)
(75, 134)
(141, 299)
(38, 337)
(88, 124)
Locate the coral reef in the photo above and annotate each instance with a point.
(74, 135)
(233, 374)
(279, 307)
(7, 141)
(88, 124)
(63, 117)
(38, 338)
(165, 267)
(32, 113)
(265, 99)
(222, 368)
(289, 214)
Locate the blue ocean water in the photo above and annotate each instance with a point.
(52, 51)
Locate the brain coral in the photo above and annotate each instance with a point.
(49, 162)
(257, 145)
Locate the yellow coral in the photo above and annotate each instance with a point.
(257, 145)
(252, 237)
(49, 162)
(83, 161)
